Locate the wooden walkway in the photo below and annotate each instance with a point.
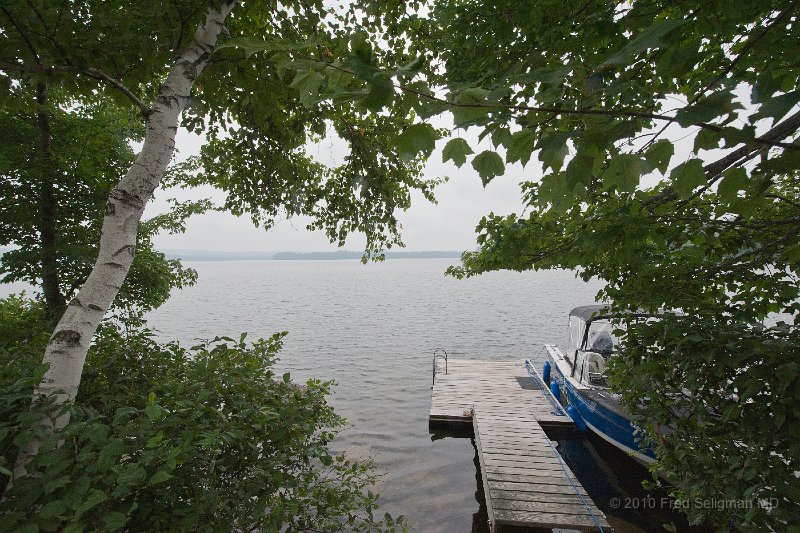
(525, 480)
(501, 385)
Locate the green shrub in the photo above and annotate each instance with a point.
(164, 438)
(24, 331)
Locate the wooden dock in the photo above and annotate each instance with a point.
(526, 482)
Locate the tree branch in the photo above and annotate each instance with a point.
(759, 256)
(744, 51)
(99, 75)
(555, 110)
(28, 43)
(600, 112)
(746, 152)
(94, 73)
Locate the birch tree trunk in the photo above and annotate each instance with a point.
(67, 348)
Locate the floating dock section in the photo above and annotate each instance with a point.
(526, 482)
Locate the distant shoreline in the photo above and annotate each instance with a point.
(200, 255)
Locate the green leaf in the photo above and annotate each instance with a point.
(53, 509)
(766, 85)
(471, 113)
(792, 253)
(735, 136)
(623, 173)
(649, 38)
(553, 150)
(287, 377)
(159, 477)
(251, 44)
(456, 150)
(553, 189)
(95, 497)
(415, 65)
(363, 70)
(659, 154)
(687, 176)
(544, 75)
(308, 84)
(520, 146)
(707, 109)
(777, 106)
(114, 520)
(154, 412)
(381, 93)
(707, 139)
(786, 374)
(248, 43)
(489, 164)
(501, 136)
(733, 181)
(361, 47)
(75, 527)
(593, 83)
(415, 139)
(579, 170)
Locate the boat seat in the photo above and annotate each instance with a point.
(595, 363)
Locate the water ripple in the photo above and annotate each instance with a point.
(372, 329)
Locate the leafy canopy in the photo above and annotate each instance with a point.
(711, 231)
(258, 111)
(90, 144)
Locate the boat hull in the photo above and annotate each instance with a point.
(603, 418)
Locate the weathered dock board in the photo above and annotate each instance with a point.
(525, 480)
(495, 383)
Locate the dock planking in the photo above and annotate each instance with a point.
(526, 482)
(498, 384)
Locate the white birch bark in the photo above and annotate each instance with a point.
(67, 348)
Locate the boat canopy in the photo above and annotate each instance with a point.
(598, 338)
(585, 312)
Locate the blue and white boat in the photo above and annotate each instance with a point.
(580, 374)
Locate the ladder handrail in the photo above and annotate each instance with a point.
(437, 355)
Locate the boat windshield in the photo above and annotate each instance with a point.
(576, 327)
(600, 338)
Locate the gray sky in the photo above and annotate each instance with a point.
(450, 225)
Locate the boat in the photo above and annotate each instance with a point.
(580, 382)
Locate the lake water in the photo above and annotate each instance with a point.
(373, 329)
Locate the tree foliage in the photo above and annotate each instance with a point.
(259, 458)
(89, 152)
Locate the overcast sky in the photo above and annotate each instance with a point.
(450, 225)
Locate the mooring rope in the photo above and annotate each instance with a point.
(547, 394)
(574, 487)
(560, 410)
